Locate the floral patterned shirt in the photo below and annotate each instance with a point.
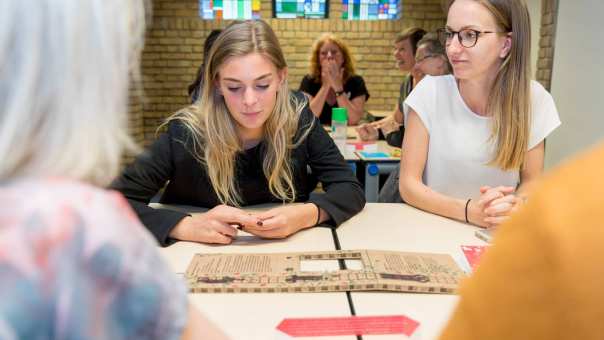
(75, 263)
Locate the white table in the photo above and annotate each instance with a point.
(256, 315)
(401, 227)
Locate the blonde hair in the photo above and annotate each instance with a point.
(510, 96)
(215, 142)
(64, 77)
(315, 64)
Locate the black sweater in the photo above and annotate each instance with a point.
(169, 159)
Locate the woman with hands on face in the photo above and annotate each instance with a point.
(474, 140)
(332, 81)
(247, 140)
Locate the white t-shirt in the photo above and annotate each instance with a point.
(459, 148)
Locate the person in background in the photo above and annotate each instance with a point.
(405, 48)
(247, 140)
(195, 87)
(75, 262)
(543, 276)
(431, 59)
(332, 81)
(475, 140)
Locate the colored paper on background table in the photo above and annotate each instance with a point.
(362, 146)
(473, 254)
(350, 325)
(374, 154)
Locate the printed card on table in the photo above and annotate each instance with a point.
(292, 328)
(473, 255)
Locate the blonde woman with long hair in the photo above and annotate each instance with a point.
(475, 139)
(75, 262)
(247, 140)
(332, 81)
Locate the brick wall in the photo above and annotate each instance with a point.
(545, 62)
(135, 111)
(174, 43)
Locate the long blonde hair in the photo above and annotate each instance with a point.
(510, 97)
(212, 129)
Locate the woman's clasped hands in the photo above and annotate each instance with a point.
(221, 224)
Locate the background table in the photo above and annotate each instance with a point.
(401, 227)
(376, 166)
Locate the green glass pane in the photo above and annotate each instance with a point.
(240, 8)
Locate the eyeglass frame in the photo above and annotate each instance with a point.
(334, 52)
(441, 32)
(427, 56)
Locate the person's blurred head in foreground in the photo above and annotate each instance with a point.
(64, 77)
(75, 262)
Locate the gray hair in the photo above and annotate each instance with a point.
(64, 78)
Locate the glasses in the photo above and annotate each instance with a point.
(467, 37)
(427, 56)
(328, 52)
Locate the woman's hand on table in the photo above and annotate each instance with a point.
(499, 210)
(280, 222)
(217, 225)
(368, 131)
(493, 207)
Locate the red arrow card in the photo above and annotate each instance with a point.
(351, 325)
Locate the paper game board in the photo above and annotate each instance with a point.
(282, 273)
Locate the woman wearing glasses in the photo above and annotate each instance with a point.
(332, 81)
(474, 140)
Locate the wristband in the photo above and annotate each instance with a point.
(466, 210)
(318, 214)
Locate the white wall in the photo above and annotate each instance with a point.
(534, 8)
(577, 79)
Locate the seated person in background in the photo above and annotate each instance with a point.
(332, 81)
(475, 140)
(405, 47)
(75, 262)
(542, 278)
(431, 59)
(247, 140)
(195, 87)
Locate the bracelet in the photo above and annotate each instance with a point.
(466, 210)
(318, 214)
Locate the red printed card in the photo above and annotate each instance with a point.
(473, 254)
(351, 325)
